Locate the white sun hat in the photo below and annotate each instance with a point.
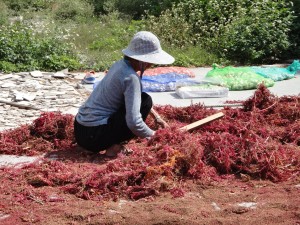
(145, 47)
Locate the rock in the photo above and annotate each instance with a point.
(65, 71)
(36, 74)
(79, 86)
(23, 74)
(59, 75)
(8, 85)
(18, 96)
(7, 76)
(28, 96)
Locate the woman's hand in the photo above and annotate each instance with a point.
(161, 122)
(158, 119)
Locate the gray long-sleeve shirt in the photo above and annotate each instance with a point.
(119, 84)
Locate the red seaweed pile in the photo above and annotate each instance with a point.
(260, 140)
(51, 131)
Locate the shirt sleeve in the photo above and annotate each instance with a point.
(134, 120)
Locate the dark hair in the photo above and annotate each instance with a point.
(127, 57)
(131, 59)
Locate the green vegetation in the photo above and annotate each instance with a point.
(135, 8)
(294, 34)
(90, 34)
(240, 30)
(22, 50)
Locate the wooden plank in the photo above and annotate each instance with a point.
(158, 119)
(155, 114)
(202, 121)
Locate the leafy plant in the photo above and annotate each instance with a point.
(195, 32)
(239, 30)
(8, 67)
(260, 33)
(133, 8)
(193, 56)
(3, 13)
(294, 34)
(101, 46)
(172, 28)
(21, 47)
(22, 5)
(75, 10)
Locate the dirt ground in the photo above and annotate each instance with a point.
(252, 202)
(230, 201)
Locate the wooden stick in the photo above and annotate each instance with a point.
(155, 114)
(202, 122)
(18, 105)
(36, 200)
(158, 119)
(224, 105)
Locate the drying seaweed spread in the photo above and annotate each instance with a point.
(260, 140)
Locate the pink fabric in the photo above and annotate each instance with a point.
(171, 69)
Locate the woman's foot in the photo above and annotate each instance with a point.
(115, 149)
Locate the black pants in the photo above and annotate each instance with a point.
(98, 138)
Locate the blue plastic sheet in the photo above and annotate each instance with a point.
(162, 82)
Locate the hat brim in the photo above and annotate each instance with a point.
(160, 57)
